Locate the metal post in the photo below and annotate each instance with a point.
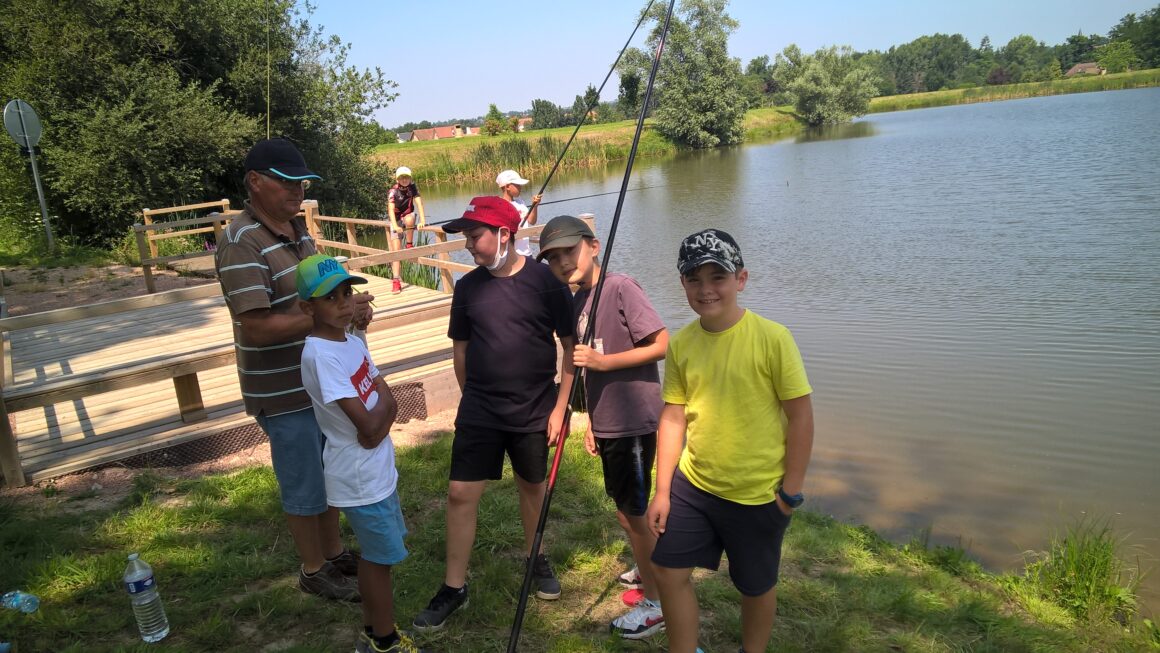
(40, 196)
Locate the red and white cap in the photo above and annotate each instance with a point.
(488, 211)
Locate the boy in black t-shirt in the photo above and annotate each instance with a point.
(503, 315)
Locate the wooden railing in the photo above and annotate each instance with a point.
(150, 232)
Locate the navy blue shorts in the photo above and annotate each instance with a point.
(702, 525)
(628, 464)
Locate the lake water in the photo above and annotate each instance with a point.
(976, 293)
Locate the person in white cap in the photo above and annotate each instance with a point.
(403, 202)
(510, 183)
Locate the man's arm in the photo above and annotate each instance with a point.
(567, 375)
(459, 361)
(651, 350)
(799, 442)
(263, 327)
(670, 442)
(375, 424)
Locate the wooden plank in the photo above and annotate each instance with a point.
(223, 216)
(347, 247)
(144, 248)
(109, 308)
(367, 222)
(404, 255)
(224, 204)
(447, 265)
(58, 390)
(177, 257)
(189, 402)
(183, 232)
(9, 453)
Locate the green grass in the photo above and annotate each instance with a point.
(1082, 84)
(770, 123)
(481, 157)
(225, 567)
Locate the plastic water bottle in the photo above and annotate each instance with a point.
(22, 601)
(151, 620)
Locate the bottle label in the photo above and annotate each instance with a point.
(138, 586)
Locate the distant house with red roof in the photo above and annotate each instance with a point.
(1089, 68)
(524, 124)
(437, 133)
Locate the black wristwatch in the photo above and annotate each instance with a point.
(791, 500)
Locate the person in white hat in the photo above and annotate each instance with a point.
(403, 202)
(510, 183)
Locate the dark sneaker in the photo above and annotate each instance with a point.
(544, 579)
(346, 562)
(366, 644)
(640, 622)
(328, 582)
(446, 601)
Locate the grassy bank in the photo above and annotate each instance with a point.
(1114, 82)
(224, 565)
(534, 152)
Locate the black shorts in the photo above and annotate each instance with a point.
(702, 525)
(628, 464)
(477, 454)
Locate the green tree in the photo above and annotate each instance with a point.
(545, 114)
(591, 97)
(152, 104)
(1117, 57)
(494, 122)
(628, 99)
(700, 102)
(830, 86)
(1078, 49)
(1022, 56)
(579, 110)
(1144, 33)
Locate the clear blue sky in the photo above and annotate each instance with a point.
(451, 59)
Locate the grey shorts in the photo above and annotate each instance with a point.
(296, 444)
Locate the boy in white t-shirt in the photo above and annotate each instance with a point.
(510, 185)
(355, 410)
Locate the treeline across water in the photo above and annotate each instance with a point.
(1121, 81)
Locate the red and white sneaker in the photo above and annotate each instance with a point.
(630, 580)
(633, 597)
(396, 286)
(642, 621)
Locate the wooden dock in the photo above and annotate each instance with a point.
(82, 391)
(94, 384)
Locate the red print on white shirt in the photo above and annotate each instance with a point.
(362, 381)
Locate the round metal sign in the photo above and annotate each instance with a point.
(22, 123)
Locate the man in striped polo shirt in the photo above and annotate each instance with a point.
(256, 262)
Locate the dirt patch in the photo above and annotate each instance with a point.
(33, 290)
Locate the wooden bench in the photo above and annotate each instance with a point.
(180, 361)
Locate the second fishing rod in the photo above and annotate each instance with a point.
(578, 380)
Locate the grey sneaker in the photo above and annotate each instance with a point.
(445, 601)
(328, 582)
(346, 562)
(544, 579)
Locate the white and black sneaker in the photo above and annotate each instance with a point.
(642, 621)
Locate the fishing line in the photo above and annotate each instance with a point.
(568, 199)
(578, 379)
(588, 108)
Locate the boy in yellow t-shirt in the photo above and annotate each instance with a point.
(732, 448)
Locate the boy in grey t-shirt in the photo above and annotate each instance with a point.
(624, 394)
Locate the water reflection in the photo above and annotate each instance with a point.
(837, 132)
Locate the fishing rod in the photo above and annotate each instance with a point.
(588, 108)
(567, 199)
(578, 378)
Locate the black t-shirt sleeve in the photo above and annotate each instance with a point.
(560, 304)
(459, 324)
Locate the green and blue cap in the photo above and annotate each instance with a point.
(319, 274)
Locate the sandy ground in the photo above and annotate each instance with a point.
(32, 290)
